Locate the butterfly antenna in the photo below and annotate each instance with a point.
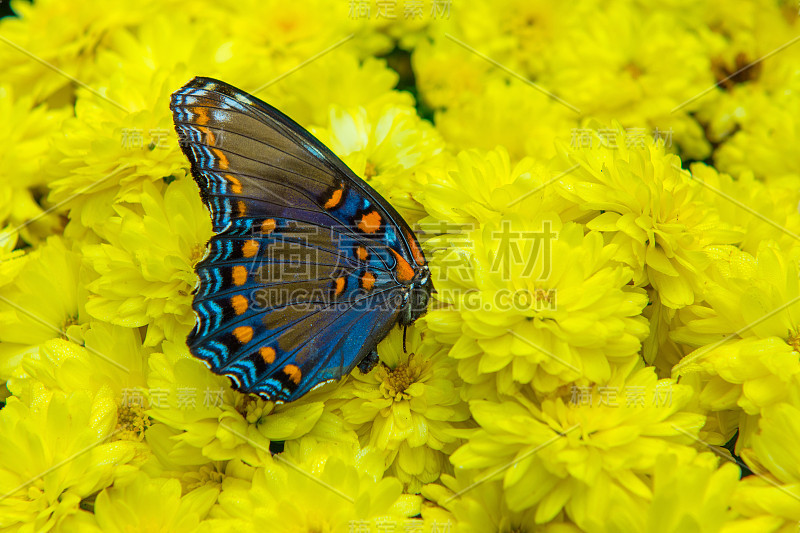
(404, 339)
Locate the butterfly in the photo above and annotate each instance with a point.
(309, 267)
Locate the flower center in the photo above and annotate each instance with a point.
(544, 299)
(742, 71)
(794, 340)
(370, 171)
(543, 295)
(198, 250)
(252, 408)
(132, 422)
(71, 320)
(395, 382)
(207, 475)
(633, 69)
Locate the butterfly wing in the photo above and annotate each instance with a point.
(309, 267)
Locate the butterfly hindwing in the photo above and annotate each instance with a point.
(309, 267)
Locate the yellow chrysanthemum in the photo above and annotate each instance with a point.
(29, 128)
(209, 475)
(446, 76)
(756, 210)
(524, 306)
(651, 209)
(113, 146)
(771, 498)
(339, 79)
(146, 267)
(478, 506)
(175, 43)
(749, 373)
(511, 114)
(405, 407)
(384, 146)
(108, 357)
(519, 35)
(60, 35)
(763, 507)
(680, 496)
(758, 303)
(529, 30)
(478, 186)
(55, 452)
(754, 64)
(756, 26)
(209, 421)
(145, 504)
(288, 34)
(622, 64)
(765, 145)
(409, 25)
(772, 452)
(12, 261)
(314, 486)
(556, 453)
(45, 301)
(692, 495)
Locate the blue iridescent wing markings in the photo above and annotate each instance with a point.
(309, 266)
(342, 339)
(360, 328)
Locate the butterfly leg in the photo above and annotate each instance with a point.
(369, 362)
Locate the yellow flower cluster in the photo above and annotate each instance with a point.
(608, 197)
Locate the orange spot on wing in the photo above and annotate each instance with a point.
(239, 275)
(403, 270)
(239, 304)
(242, 208)
(335, 198)
(267, 354)
(202, 115)
(209, 135)
(293, 372)
(268, 226)
(339, 284)
(222, 159)
(371, 222)
(415, 251)
(250, 248)
(236, 185)
(362, 253)
(243, 334)
(368, 280)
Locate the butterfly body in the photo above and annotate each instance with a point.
(309, 267)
